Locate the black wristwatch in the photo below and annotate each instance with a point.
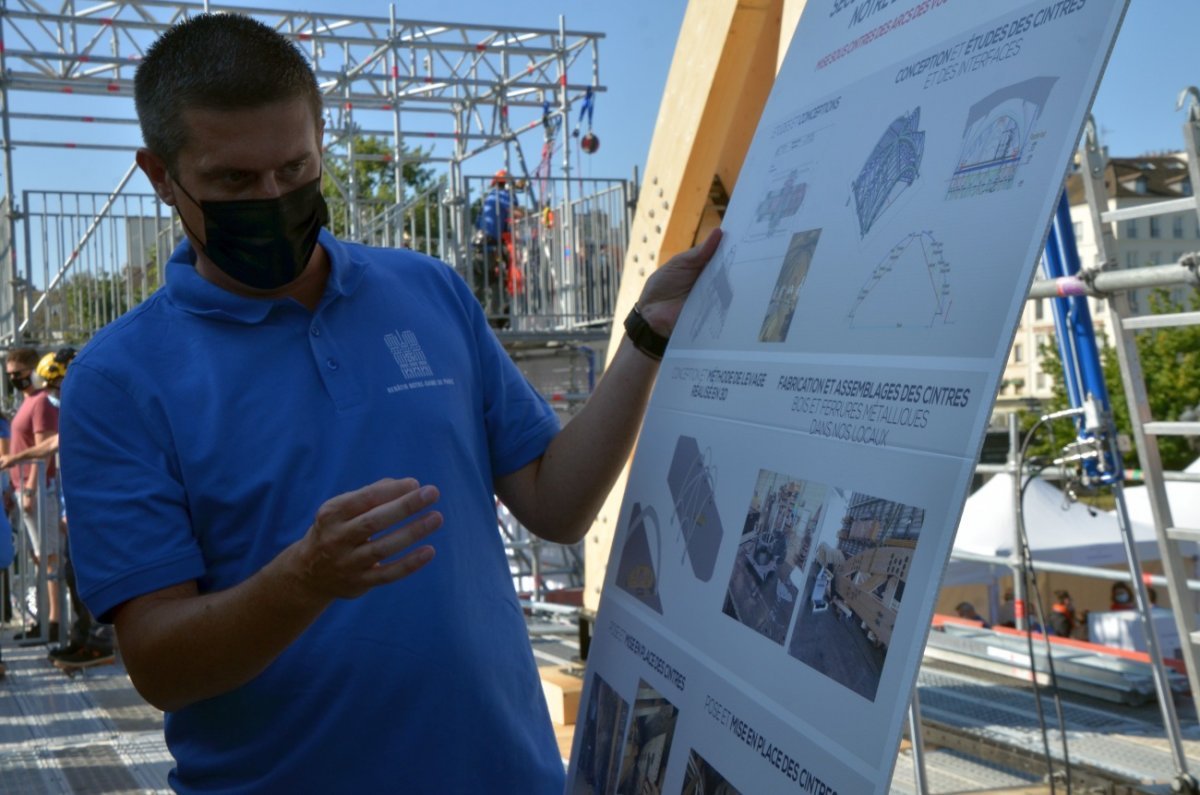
(644, 338)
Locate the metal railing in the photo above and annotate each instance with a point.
(38, 561)
(557, 267)
(88, 259)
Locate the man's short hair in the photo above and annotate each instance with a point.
(26, 357)
(215, 62)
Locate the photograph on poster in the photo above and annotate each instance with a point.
(647, 743)
(792, 271)
(691, 481)
(909, 288)
(701, 778)
(892, 167)
(638, 568)
(768, 571)
(854, 588)
(598, 765)
(714, 298)
(996, 138)
(783, 200)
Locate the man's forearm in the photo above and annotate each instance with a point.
(558, 495)
(43, 449)
(582, 463)
(181, 647)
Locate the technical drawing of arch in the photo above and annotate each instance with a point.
(782, 201)
(996, 138)
(893, 166)
(691, 480)
(637, 572)
(909, 288)
(715, 298)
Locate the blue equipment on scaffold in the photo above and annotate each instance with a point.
(1082, 370)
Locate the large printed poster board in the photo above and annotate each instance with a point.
(814, 429)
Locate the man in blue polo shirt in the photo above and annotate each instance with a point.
(257, 459)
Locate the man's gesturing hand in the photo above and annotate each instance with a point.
(341, 556)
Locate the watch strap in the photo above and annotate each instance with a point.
(644, 338)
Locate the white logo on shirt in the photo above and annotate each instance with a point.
(408, 354)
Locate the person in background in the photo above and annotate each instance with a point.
(36, 419)
(90, 642)
(7, 549)
(1063, 619)
(1006, 614)
(1122, 597)
(966, 610)
(497, 275)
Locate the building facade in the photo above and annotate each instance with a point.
(1130, 182)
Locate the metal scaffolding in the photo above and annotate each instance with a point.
(435, 92)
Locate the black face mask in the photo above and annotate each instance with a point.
(264, 243)
(18, 383)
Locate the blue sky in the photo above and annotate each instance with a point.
(1135, 107)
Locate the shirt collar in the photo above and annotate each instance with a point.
(195, 294)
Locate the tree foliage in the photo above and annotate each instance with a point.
(374, 181)
(1170, 360)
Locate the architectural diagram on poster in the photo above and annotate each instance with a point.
(893, 166)
(638, 570)
(854, 588)
(714, 299)
(910, 287)
(691, 483)
(768, 571)
(792, 271)
(996, 138)
(814, 427)
(784, 197)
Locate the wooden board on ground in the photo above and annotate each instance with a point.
(562, 686)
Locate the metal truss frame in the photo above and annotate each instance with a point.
(451, 90)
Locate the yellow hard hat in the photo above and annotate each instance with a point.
(53, 366)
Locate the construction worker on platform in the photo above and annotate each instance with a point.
(497, 275)
(280, 468)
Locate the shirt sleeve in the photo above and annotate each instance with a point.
(45, 416)
(130, 528)
(520, 423)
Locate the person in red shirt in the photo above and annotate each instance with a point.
(35, 421)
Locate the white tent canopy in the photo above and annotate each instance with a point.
(1059, 531)
(1184, 497)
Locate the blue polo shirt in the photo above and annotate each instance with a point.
(201, 432)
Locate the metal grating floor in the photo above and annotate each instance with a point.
(91, 734)
(952, 772)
